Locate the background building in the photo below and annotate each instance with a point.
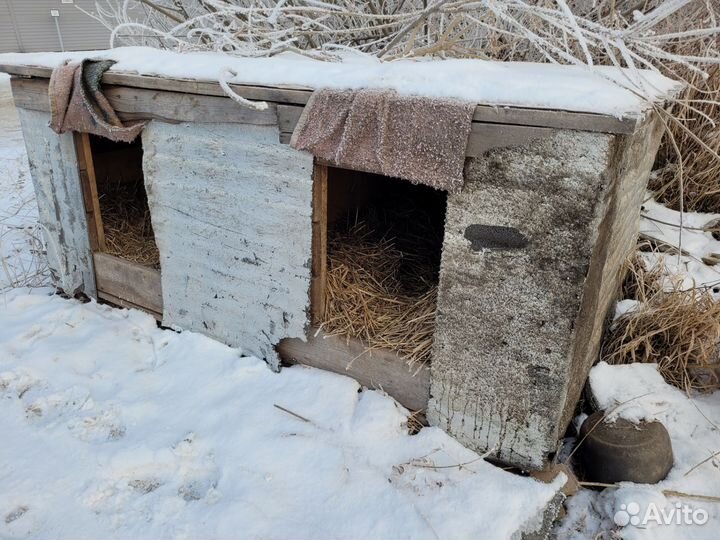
(50, 25)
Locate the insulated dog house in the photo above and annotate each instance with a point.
(532, 246)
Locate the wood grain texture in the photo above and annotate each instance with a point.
(484, 137)
(231, 209)
(58, 191)
(378, 369)
(134, 284)
(96, 233)
(319, 243)
(138, 103)
(552, 118)
(119, 302)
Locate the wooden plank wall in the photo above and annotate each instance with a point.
(136, 96)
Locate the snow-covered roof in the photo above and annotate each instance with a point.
(600, 90)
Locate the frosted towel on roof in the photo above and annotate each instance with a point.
(520, 84)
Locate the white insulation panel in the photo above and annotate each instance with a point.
(231, 209)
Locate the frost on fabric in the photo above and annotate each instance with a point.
(113, 428)
(523, 84)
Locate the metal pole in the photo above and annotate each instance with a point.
(56, 15)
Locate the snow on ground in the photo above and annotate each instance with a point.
(21, 260)
(602, 90)
(115, 428)
(638, 392)
(698, 265)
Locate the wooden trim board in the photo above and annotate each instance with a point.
(130, 283)
(378, 369)
(551, 118)
(319, 243)
(132, 103)
(138, 103)
(119, 302)
(88, 184)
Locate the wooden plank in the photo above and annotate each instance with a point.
(88, 182)
(61, 211)
(288, 116)
(129, 282)
(526, 116)
(134, 103)
(114, 300)
(276, 93)
(484, 137)
(319, 243)
(138, 103)
(553, 118)
(378, 369)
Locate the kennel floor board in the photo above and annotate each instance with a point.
(378, 369)
(128, 284)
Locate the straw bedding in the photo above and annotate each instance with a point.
(126, 221)
(382, 285)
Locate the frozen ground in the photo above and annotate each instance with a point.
(113, 428)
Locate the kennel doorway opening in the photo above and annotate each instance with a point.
(377, 245)
(125, 255)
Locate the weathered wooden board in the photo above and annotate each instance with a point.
(133, 103)
(56, 177)
(378, 369)
(88, 183)
(523, 116)
(551, 118)
(231, 209)
(114, 300)
(319, 242)
(484, 137)
(134, 284)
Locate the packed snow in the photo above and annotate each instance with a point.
(638, 392)
(603, 90)
(114, 428)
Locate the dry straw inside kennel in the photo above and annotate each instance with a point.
(384, 241)
(123, 202)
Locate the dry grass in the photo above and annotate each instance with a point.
(379, 294)
(126, 220)
(678, 330)
(690, 179)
